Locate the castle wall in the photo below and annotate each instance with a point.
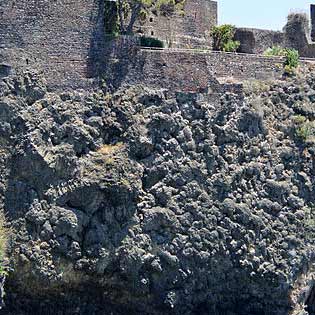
(187, 29)
(256, 41)
(296, 34)
(313, 22)
(60, 38)
(187, 70)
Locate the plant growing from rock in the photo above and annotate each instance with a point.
(4, 238)
(151, 42)
(291, 56)
(275, 51)
(304, 128)
(223, 38)
(231, 46)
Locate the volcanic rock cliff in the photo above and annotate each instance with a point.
(150, 201)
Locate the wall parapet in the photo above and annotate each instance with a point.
(192, 70)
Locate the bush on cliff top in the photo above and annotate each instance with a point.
(223, 38)
(275, 51)
(291, 61)
(151, 42)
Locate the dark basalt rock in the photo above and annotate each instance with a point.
(151, 202)
(5, 70)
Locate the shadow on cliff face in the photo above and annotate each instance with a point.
(71, 197)
(83, 215)
(110, 58)
(96, 52)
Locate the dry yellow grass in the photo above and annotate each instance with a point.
(5, 233)
(107, 149)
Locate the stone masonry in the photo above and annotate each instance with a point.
(186, 29)
(66, 40)
(62, 38)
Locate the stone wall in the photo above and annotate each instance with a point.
(256, 41)
(188, 70)
(313, 22)
(296, 34)
(186, 29)
(62, 38)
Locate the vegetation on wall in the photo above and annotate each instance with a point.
(223, 38)
(291, 61)
(292, 58)
(275, 51)
(121, 15)
(110, 18)
(151, 42)
(304, 128)
(168, 7)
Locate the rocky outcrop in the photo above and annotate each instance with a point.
(153, 202)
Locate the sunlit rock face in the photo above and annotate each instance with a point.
(158, 202)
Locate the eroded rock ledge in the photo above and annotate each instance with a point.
(154, 202)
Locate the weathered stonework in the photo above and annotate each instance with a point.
(313, 21)
(186, 70)
(256, 41)
(296, 34)
(189, 28)
(66, 40)
(62, 38)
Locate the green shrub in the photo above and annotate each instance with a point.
(292, 58)
(151, 42)
(291, 61)
(304, 129)
(289, 71)
(111, 19)
(299, 119)
(231, 46)
(223, 38)
(256, 87)
(275, 51)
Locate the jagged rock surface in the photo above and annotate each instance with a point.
(154, 202)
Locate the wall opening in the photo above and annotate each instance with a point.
(310, 301)
(151, 19)
(152, 33)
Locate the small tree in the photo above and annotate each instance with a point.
(231, 46)
(223, 36)
(292, 58)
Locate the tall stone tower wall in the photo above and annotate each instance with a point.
(188, 29)
(60, 37)
(313, 22)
